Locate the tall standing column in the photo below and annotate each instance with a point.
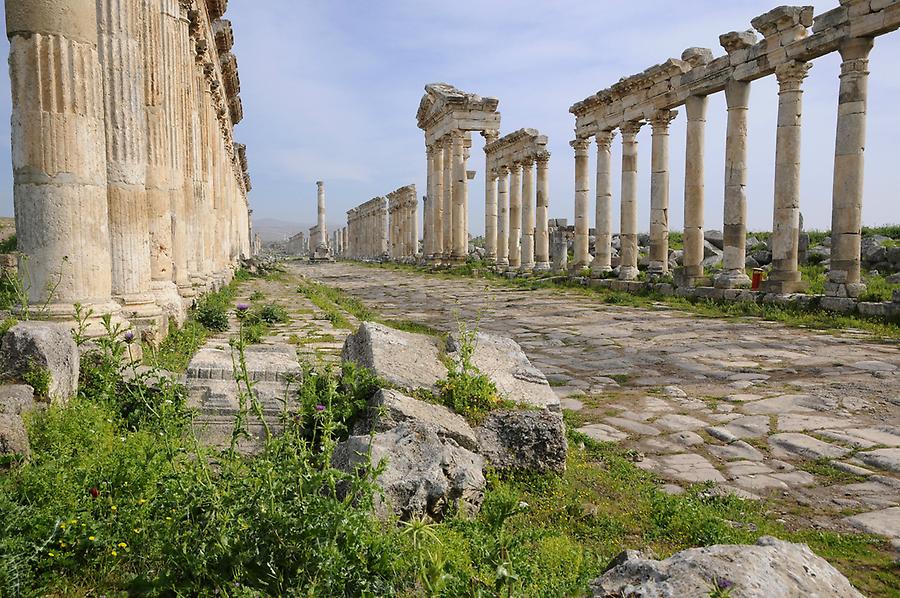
(428, 212)
(528, 201)
(59, 154)
(603, 235)
(447, 249)
(785, 275)
(734, 222)
(542, 233)
(847, 195)
(120, 52)
(413, 224)
(628, 243)
(515, 216)
(458, 247)
(437, 207)
(692, 260)
(320, 221)
(502, 217)
(659, 192)
(582, 189)
(490, 201)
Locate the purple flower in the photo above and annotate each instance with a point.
(320, 407)
(243, 307)
(723, 583)
(129, 336)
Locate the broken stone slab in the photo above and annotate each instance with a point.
(885, 522)
(687, 467)
(424, 474)
(793, 422)
(29, 348)
(523, 440)
(674, 422)
(751, 426)
(887, 459)
(505, 363)
(794, 445)
(602, 433)
(770, 568)
(387, 408)
(265, 363)
(735, 450)
(632, 426)
(406, 360)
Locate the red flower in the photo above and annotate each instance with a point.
(94, 493)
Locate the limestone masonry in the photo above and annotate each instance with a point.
(130, 192)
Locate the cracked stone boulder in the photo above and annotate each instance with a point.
(505, 363)
(424, 473)
(533, 440)
(30, 349)
(13, 437)
(769, 569)
(405, 360)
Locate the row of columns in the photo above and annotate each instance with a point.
(516, 233)
(403, 212)
(844, 275)
(446, 221)
(367, 226)
(127, 189)
(338, 241)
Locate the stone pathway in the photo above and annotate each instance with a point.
(808, 420)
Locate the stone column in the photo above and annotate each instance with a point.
(603, 235)
(541, 234)
(847, 195)
(785, 274)
(502, 217)
(515, 216)
(120, 53)
(59, 155)
(734, 222)
(659, 192)
(628, 243)
(490, 202)
(460, 241)
(414, 224)
(582, 188)
(692, 260)
(174, 26)
(528, 201)
(428, 216)
(447, 248)
(320, 221)
(437, 204)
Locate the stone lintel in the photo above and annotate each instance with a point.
(224, 35)
(781, 19)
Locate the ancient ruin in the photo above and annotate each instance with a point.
(130, 192)
(403, 214)
(367, 227)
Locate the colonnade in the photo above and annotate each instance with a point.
(367, 230)
(785, 51)
(403, 214)
(130, 194)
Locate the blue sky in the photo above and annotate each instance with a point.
(330, 90)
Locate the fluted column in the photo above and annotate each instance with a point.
(447, 248)
(120, 53)
(785, 274)
(582, 189)
(437, 201)
(528, 205)
(603, 228)
(490, 201)
(628, 244)
(174, 25)
(414, 225)
(459, 236)
(59, 155)
(428, 212)
(734, 222)
(502, 217)
(847, 194)
(692, 259)
(515, 216)
(542, 233)
(659, 192)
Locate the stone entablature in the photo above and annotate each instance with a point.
(516, 233)
(786, 49)
(403, 237)
(128, 188)
(448, 117)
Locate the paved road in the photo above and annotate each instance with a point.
(749, 405)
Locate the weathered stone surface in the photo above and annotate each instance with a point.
(795, 445)
(16, 399)
(404, 359)
(688, 467)
(885, 522)
(532, 440)
(888, 459)
(30, 347)
(388, 408)
(602, 433)
(504, 362)
(13, 437)
(424, 474)
(770, 568)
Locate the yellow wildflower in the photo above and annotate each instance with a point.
(113, 508)
(114, 553)
(91, 538)
(52, 554)
(123, 545)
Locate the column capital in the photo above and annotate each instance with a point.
(490, 136)
(791, 74)
(516, 167)
(604, 138)
(581, 145)
(630, 129)
(542, 158)
(661, 120)
(737, 94)
(503, 170)
(527, 161)
(855, 54)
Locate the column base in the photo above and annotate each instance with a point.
(600, 271)
(94, 327)
(527, 267)
(145, 315)
(169, 300)
(783, 287)
(628, 272)
(732, 279)
(844, 289)
(688, 276)
(542, 266)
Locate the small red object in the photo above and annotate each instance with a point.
(94, 492)
(756, 282)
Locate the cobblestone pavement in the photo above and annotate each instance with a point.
(807, 419)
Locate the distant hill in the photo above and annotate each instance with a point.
(272, 229)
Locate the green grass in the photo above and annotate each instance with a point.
(828, 474)
(9, 244)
